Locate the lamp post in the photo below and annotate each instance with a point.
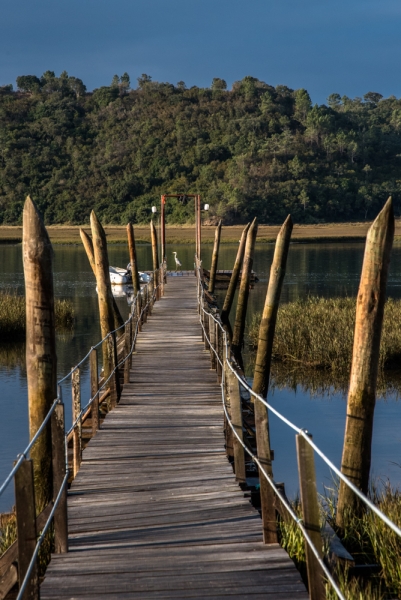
(154, 212)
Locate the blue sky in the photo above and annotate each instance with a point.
(348, 46)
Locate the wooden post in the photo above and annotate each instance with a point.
(207, 333)
(356, 456)
(115, 389)
(153, 234)
(199, 225)
(26, 527)
(94, 382)
(145, 302)
(269, 316)
(41, 360)
(132, 257)
(242, 304)
(215, 258)
(139, 310)
(59, 472)
(217, 337)
(87, 242)
(127, 350)
(228, 301)
(76, 409)
(311, 516)
(163, 227)
(233, 389)
(261, 378)
(105, 297)
(212, 337)
(151, 286)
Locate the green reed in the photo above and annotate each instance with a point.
(318, 333)
(13, 316)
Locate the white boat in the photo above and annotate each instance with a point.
(119, 276)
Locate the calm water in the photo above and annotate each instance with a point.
(323, 269)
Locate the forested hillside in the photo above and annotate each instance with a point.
(253, 150)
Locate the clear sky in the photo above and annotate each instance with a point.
(344, 46)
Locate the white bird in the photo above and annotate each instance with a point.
(177, 262)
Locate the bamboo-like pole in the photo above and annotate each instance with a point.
(242, 304)
(153, 234)
(215, 258)
(41, 360)
(228, 301)
(262, 373)
(105, 297)
(356, 456)
(269, 316)
(87, 242)
(132, 258)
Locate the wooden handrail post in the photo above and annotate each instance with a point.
(212, 337)
(59, 472)
(115, 391)
(153, 235)
(127, 350)
(215, 258)
(94, 383)
(138, 310)
(234, 393)
(26, 527)
(145, 302)
(151, 289)
(76, 409)
(217, 339)
(206, 326)
(311, 516)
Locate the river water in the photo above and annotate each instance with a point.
(312, 269)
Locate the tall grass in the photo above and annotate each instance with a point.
(367, 538)
(318, 333)
(13, 316)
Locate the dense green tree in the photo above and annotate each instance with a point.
(28, 83)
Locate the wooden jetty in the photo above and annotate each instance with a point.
(155, 511)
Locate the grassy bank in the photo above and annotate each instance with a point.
(369, 541)
(185, 234)
(318, 333)
(13, 316)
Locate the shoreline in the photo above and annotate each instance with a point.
(185, 234)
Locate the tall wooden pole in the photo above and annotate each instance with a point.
(242, 304)
(228, 301)
(356, 456)
(261, 377)
(163, 227)
(41, 360)
(155, 257)
(87, 242)
(133, 258)
(215, 258)
(199, 225)
(105, 297)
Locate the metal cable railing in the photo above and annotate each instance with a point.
(302, 432)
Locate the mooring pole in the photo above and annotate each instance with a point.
(105, 297)
(261, 377)
(87, 242)
(133, 259)
(163, 227)
(41, 360)
(357, 449)
(153, 234)
(228, 301)
(242, 304)
(215, 258)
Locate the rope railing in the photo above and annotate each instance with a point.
(225, 361)
(150, 293)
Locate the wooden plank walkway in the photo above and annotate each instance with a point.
(155, 511)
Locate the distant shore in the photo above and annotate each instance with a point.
(185, 234)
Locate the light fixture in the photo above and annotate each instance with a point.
(206, 207)
(154, 209)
